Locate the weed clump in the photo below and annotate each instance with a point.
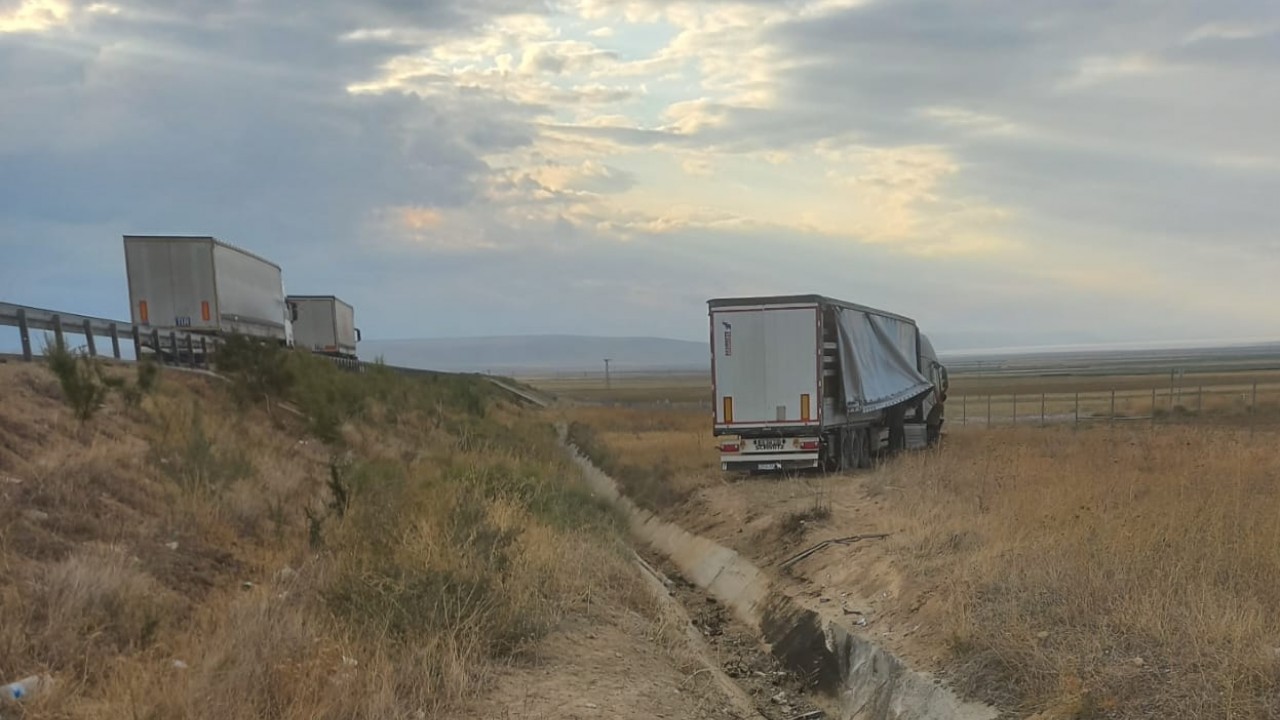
(82, 379)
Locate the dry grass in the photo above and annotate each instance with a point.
(660, 456)
(684, 389)
(440, 534)
(1101, 574)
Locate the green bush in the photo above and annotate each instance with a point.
(148, 375)
(259, 370)
(195, 463)
(82, 379)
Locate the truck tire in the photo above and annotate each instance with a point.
(934, 427)
(862, 458)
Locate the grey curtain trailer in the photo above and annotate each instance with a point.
(807, 381)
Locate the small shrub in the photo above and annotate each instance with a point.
(148, 375)
(260, 370)
(793, 523)
(197, 464)
(82, 379)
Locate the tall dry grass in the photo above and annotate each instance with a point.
(1104, 573)
(660, 456)
(206, 555)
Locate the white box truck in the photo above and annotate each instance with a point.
(324, 324)
(808, 381)
(203, 285)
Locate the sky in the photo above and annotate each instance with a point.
(1007, 172)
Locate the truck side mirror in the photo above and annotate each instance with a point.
(293, 312)
(359, 336)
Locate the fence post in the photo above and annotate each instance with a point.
(1112, 421)
(1042, 423)
(24, 330)
(1253, 409)
(115, 341)
(57, 332)
(1077, 408)
(1153, 407)
(88, 338)
(1015, 409)
(964, 409)
(988, 411)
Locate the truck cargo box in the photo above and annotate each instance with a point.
(204, 285)
(324, 324)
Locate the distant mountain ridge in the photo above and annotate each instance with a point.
(532, 353)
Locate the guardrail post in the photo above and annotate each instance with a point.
(204, 352)
(173, 345)
(155, 345)
(137, 342)
(88, 338)
(191, 352)
(1041, 409)
(115, 341)
(57, 332)
(964, 409)
(24, 331)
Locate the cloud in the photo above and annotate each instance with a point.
(1009, 171)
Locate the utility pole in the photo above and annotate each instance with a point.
(608, 384)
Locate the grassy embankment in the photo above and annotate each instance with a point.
(198, 550)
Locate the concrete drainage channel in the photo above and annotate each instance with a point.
(866, 681)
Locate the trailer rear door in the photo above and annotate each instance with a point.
(765, 366)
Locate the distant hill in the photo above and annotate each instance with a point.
(534, 353)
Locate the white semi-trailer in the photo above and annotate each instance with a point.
(203, 285)
(324, 324)
(807, 381)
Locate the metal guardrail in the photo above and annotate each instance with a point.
(191, 349)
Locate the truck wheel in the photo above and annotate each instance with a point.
(862, 449)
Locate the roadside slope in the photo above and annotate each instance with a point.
(396, 548)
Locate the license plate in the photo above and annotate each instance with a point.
(770, 444)
(769, 466)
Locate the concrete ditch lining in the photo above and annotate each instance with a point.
(868, 682)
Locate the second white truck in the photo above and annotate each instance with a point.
(324, 324)
(806, 381)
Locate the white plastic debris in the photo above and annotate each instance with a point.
(26, 687)
(172, 545)
(179, 665)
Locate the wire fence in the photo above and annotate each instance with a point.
(1244, 404)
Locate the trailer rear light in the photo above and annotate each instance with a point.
(804, 408)
(143, 314)
(730, 448)
(204, 311)
(809, 445)
(728, 409)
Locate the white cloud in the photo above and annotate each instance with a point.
(35, 16)
(1100, 69)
